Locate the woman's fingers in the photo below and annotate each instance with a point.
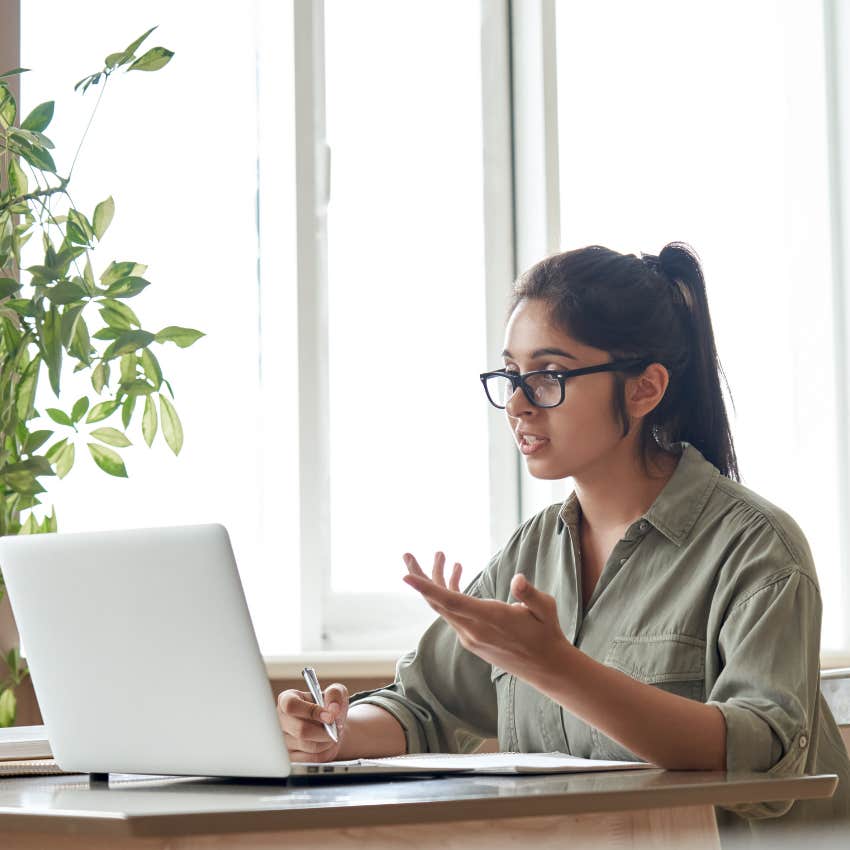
(437, 571)
(413, 565)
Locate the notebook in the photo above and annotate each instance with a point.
(24, 742)
(144, 661)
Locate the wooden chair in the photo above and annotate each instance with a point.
(835, 687)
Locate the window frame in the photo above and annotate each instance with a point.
(333, 621)
(521, 224)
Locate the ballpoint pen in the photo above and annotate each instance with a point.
(312, 681)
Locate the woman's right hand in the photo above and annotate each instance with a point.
(301, 721)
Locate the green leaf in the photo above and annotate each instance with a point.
(171, 426)
(108, 333)
(40, 140)
(91, 80)
(24, 403)
(65, 292)
(127, 287)
(103, 214)
(8, 707)
(127, 54)
(81, 405)
(184, 337)
(102, 410)
(36, 465)
(125, 310)
(88, 278)
(8, 109)
(65, 460)
(8, 285)
(128, 368)
(108, 460)
(153, 60)
(127, 410)
(81, 346)
(21, 481)
(54, 451)
(114, 318)
(34, 155)
(150, 364)
(111, 436)
(39, 118)
(13, 662)
(79, 229)
(149, 421)
(100, 376)
(70, 315)
(137, 388)
(14, 72)
(115, 271)
(127, 342)
(36, 440)
(51, 338)
(59, 416)
(18, 182)
(30, 526)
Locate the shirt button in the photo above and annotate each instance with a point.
(623, 561)
(642, 526)
(803, 741)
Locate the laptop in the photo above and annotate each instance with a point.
(143, 657)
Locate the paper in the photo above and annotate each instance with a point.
(504, 763)
(24, 742)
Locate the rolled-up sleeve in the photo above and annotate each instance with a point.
(768, 687)
(442, 694)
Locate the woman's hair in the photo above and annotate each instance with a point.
(648, 307)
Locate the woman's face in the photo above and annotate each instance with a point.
(581, 432)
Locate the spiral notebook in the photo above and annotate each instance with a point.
(30, 767)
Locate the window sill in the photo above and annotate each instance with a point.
(833, 658)
(334, 665)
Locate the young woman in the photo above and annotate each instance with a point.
(664, 612)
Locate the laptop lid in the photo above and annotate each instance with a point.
(142, 653)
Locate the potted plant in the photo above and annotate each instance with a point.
(66, 310)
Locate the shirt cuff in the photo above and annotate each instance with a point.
(752, 746)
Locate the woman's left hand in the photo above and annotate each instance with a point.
(523, 638)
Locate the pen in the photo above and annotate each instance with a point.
(312, 681)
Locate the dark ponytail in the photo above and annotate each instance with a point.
(652, 306)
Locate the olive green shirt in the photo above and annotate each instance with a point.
(711, 594)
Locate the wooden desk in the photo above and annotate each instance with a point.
(615, 809)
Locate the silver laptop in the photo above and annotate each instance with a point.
(143, 656)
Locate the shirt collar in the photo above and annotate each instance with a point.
(677, 506)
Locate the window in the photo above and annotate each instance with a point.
(406, 328)
(340, 194)
(179, 151)
(716, 134)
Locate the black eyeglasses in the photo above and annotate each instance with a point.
(544, 387)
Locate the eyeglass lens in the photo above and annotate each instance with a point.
(545, 389)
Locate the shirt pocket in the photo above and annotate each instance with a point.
(672, 662)
(505, 684)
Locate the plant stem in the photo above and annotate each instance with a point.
(91, 118)
(31, 196)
